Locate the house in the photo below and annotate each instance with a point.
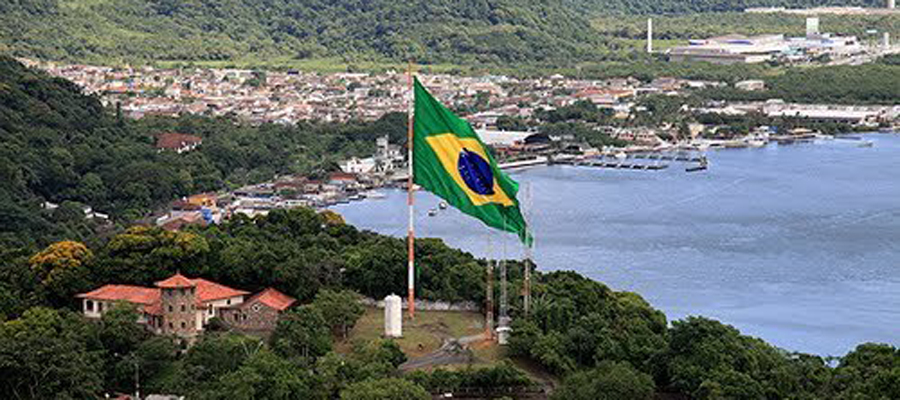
(182, 306)
(177, 142)
(259, 314)
(751, 85)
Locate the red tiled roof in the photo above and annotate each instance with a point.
(274, 299)
(133, 294)
(341, 176)
(209, 291)
(155, 308)
(175, 281)
(175, 141)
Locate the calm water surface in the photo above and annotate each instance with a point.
(797, 244)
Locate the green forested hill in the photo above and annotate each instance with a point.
(462, 32)
(430, 30)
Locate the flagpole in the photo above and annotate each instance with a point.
(410, 198)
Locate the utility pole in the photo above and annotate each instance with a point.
(137, 377)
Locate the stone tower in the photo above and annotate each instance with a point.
(178, 296)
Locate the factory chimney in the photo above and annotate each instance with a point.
(650, 35)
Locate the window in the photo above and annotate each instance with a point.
(170, 308)
(237, 317)
(89, 305)
(256, 307)
(183, 308)
(99, 306)
(228, 302)
(182, 325)
(170, 325)
(210, 309)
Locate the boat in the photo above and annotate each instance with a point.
(432, 212)
(443, 205)
(867, 143)
(704, 164)
(373, 194)
(756, 143)
(621, 155)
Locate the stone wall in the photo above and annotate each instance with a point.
(429, 305)
(179, 311)
(251, 316)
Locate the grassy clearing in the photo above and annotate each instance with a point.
(422, 336)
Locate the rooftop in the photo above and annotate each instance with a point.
(274, 299)
(175, 281)
(208, 290)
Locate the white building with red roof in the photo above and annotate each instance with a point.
(183, 306)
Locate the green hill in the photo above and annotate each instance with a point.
(466, 32)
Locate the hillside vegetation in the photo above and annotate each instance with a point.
(469, 32)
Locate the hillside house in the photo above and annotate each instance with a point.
(183, 307)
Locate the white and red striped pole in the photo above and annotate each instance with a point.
(410, 198)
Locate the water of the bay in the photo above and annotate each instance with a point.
(797, 244)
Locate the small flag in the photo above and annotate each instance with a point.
(452, 162)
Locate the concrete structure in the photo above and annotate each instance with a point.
(649, 35)
(182, 306)
(751, 85)
(812, 27)
(891, 4)
(388, 158)
(393, 316)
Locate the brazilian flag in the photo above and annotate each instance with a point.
(451, 161)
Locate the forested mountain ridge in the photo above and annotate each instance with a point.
(554, 32)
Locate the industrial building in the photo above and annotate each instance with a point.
(732, 49)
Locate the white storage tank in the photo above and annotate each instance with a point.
(393, 316)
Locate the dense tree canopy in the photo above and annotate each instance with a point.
(492, 32)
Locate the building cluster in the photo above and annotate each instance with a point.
(292, 96)
(284, 192)
(860, 115)
(733, 49)
(184, 307)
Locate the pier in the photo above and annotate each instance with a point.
(599, 163)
